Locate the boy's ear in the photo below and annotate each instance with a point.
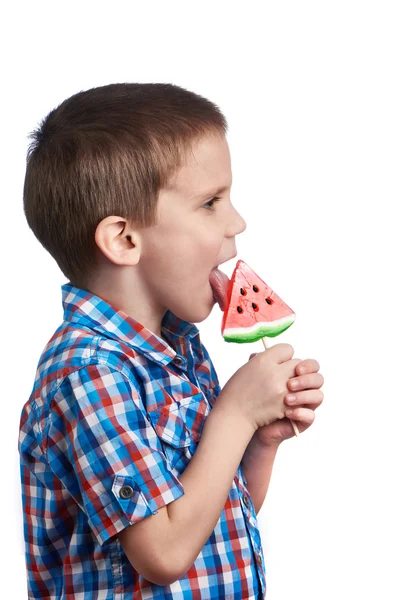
(118, 241)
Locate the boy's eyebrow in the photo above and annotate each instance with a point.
(211, 192)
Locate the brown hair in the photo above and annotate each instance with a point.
(108, 151)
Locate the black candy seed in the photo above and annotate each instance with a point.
(255, 306)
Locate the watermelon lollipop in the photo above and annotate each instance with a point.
(252, 310)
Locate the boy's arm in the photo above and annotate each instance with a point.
(164, 546)
(258, 459)
(101, 446)
(257, 463)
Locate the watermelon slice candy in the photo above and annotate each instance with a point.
(252, 310)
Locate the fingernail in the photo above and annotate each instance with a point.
(289, 412)
(291, 398)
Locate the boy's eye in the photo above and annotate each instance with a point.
(215, 199)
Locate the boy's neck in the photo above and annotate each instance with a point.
(138, 309)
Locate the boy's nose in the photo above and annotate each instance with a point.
(243, 225)
(238, 223)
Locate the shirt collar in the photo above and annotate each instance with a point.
(81, 306)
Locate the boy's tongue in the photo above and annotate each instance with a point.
(219, 283)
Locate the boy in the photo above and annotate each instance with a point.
(141, 478)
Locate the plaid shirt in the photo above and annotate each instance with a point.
(115, 409)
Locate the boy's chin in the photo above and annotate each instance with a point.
(199, 312)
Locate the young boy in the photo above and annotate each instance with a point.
(140, 477)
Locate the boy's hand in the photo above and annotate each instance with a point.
(308, 398)
(256, 391)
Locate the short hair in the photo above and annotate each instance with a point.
(108, 151)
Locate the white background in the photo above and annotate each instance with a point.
(311, 93)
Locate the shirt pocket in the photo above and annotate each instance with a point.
(179, 426)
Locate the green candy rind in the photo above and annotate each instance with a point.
(265, 330)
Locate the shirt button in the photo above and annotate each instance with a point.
(126, 492)
(259, 560)
(246, 501)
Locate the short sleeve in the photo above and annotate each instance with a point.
(105, 451)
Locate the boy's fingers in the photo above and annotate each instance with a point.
(311, 398)
(309, 365)
(305, 415)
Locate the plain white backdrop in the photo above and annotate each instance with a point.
(311, 93)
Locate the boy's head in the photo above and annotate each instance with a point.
(118, 187)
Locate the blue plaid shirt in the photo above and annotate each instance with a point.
(114, 405)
